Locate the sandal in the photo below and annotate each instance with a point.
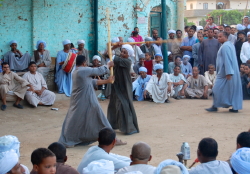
(120, 142)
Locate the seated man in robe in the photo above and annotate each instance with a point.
(11, 143)
(82, 51)
(140, 156)
(140, 64)
(240, 161)
(63, 79)
(210, 76)
(196, 86)
(8, 85)
(186, 68)
(39, 93)
(171, 65)
(178, 80)
(42, 59)
(159, 86)
(207, 153)
(16, 60)
(140, 84)
(102, 151)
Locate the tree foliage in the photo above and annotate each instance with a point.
(229, 17)
(188, 23)
(1, 3)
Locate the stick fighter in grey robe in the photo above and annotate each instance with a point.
(85, 117)
(227, 90)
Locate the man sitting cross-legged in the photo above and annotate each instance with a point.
(207, 153)
(178, 80)
(140, 156)
(196, 86)
(8, 85)
(60, 151)
(210, 76)
(159, 86)
(106, 141)
(139, 85)
(38, 94)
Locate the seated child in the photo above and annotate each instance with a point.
(139, 64)
(186, 68)
(242, 70)
(246, 83)
(148, 63)
(158, 60)
(210, 76)
(43, 161)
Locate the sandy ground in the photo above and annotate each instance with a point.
(163, 126)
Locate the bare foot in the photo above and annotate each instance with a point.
(120, 142)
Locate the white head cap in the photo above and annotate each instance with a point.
(65, 42)
(99, 167)
(80, 42)
(8, 160)
(97, 57)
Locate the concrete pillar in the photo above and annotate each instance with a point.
(180, 14)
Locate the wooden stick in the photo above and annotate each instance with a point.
(109, 42)
(134, 43)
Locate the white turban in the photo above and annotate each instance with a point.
(246, 17)
(199, 28)
(13, 41)
(80, 42)
(240, 160)
(143, 69)
(169, 162)
(240, 27)
(115, 39)
(99, 167)
(171, 31)
(65, 42)
(148, 39)
(248, 33)
(96, 57)
(158, 66)
(134, 172)
(8, 160)
(130, 39)
(169, 53)
(186, 56)
(38, 43)
(9, 142)
(129, 49)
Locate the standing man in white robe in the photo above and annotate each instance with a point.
(227, 90)
(159, 86)
(38, 95)
(16, 60)
(245, 50)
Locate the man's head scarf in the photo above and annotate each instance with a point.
(248, 33)
(240, 160)
(186, 56)
(169, 162)
(171, 31)
(8, 160)
(80, 42)
(97, 57)
(240, 27)
(158, 54)
(158, 66)
(148, 39)
(130, 39)
(99, 167)
(199, 28)
(169, 53)
(115, 39)
(38, 43)
(13, 41)
(9, 142)
(141, 56)
(129, 49)
(65, 42)
(143, 69)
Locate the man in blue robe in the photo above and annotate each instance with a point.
(139, 85)
(227, 90)
(62, 78)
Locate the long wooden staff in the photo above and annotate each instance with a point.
(109, 42)
(134, 43)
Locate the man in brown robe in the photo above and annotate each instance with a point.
(8, 85)
(121, 112)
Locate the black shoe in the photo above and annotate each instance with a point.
(167, 101)
(18, 106)
(212, 109)
(178, 98)
(3, 107)
(232, 110)
(151, 100)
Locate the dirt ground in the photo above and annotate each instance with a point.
(163, 126)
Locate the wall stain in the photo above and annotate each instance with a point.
(121, 18)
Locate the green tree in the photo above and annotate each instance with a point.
(188, 23)
(229, 17)
(1, 3)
